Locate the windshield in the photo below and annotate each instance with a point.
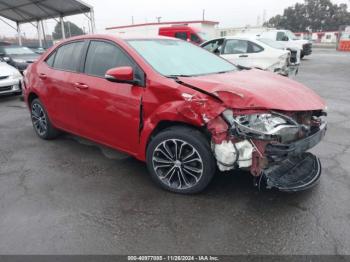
(179, 58)
(18, 50)
(271, 43)
(204, 36)
(291, 35)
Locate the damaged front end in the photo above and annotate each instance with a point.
(271, 145)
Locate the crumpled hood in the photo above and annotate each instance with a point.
(257, 89)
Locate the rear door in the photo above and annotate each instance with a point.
(109, 113)
(236, 51)
(56, 76)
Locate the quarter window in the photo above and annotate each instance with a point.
(68, 57)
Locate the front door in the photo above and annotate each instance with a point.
(109, 113)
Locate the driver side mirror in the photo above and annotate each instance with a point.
(121, 75)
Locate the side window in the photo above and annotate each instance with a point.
(68, 56)
(236, 47)
(103, 56)
(195, 39)
(280, 36)
(254, 48)
(50, 61)
(181, 35)
(214, 46)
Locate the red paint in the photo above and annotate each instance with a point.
(110, 113)
(257, 89)
(174, 31)
(121, 73)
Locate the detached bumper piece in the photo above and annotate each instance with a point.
(294, 174)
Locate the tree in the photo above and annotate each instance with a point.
(314, 15)
(70, 29)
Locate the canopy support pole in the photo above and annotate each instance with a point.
(62, 28)
(39, 34)
(19, 34)
(92, 21)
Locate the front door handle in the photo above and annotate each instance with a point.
(81, 86)
(243, 56)
(42, 76)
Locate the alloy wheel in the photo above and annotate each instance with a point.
(39, 119)
(177, 164)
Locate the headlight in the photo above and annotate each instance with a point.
(262, 126)
(20, 61)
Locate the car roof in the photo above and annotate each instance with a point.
(116, 38)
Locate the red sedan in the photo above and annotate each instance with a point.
(184, 111)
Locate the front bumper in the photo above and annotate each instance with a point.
(279, 152)
(10, 86)
(290, 168)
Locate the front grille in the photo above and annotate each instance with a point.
(3, 77)
(5, 88)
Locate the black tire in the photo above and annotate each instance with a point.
(302, 56)
(187, 140)
(41, 122)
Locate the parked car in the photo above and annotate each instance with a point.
(249, 52)
(179, 108)
(38, 50)
(18, 56)
(289, 38)
(295, 53)
(10, 79)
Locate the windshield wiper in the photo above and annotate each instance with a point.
(177, 76)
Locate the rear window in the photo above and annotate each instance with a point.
(68, 57)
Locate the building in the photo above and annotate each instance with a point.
(231, 31)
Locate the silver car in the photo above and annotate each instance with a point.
(10, 80)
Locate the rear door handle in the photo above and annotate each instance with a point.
(81, 86)
(243, 56)
(42, 76)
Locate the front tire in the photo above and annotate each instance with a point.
(180, 160)
(41, 122)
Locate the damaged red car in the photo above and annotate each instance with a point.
(184, 111)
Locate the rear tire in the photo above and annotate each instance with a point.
(41, 122)
(180, 160)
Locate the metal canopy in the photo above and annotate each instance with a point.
(25, 11)
(29, 11)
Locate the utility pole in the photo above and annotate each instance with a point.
(132, 20)
(203, 14)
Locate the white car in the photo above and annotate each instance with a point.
(10, 80)
(249, 52)
(290, 39)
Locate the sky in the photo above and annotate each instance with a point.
(230, 13)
